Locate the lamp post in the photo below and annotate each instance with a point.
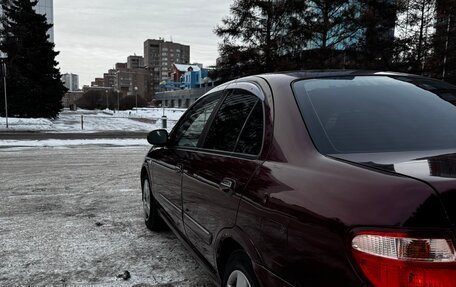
(136, 94)
(118, 101)
(107, 100)
(206, 81)
(3, 57)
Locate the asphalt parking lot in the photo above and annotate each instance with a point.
(72, 217)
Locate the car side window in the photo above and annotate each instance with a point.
(251, 139)
(230, 120)
(189, 132)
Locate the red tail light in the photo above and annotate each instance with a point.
(399, 260)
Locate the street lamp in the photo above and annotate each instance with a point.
(118, 101)
(136, 94)
(205, 81)
(3, 57)
(107, 100)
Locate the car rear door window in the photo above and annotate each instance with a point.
(230, 120)
(251, 138)
(189, 132)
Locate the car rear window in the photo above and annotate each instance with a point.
(378, 113)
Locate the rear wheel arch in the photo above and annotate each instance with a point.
(230, 241)
(225, 249)
(144, 175)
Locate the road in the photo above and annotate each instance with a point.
(72, 217)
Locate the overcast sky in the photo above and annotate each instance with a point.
(93, 35)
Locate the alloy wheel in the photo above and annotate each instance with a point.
(146, 199)
(237, 279)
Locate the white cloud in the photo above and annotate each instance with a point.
(93, 35)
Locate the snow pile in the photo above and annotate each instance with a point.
(143, 119)
(68, 143)
(27, 124)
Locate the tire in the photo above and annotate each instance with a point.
(152, 218)
(239, 267)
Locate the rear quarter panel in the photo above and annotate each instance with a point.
(299, 208)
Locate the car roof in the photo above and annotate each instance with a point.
(290, 76)
(307, 74)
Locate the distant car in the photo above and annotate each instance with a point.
(337, 178)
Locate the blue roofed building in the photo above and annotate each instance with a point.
(188, 76)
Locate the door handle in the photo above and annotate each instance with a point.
(179, 168)
(227, 185)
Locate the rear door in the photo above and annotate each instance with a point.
(216, 174)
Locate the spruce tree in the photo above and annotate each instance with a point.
(34, 82)
(260, 36)
(377, 45)
(444, 42)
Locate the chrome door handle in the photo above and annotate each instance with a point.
(179, 168)
(226, 185)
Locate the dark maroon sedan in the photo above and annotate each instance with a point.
(343, 178)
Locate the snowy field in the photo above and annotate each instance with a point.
(73, 217)
(144, 119)
(55, 143)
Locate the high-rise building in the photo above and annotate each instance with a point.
(135, 62)
(159, 57)
(45, 7)
(71, 82)
(110, 78)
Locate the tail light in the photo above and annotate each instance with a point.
(401, 260)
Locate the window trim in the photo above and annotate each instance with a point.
(172, 136)
(233, 153)
(226, 90)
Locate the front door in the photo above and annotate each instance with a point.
(168, 162)
(216, 174)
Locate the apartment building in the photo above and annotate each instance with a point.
(135, 62)
(44, 7)
(71, 82)
(159, 57)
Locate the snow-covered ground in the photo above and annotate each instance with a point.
(73, 217)
(70, 143)
(144, 119)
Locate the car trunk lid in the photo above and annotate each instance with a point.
(436, 168)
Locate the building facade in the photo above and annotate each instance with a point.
(109, 78)
(188, 76)
(44, 7)
(135, 62)
(129, 79)
(98, 82)
(159, 57)
(71, 82)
